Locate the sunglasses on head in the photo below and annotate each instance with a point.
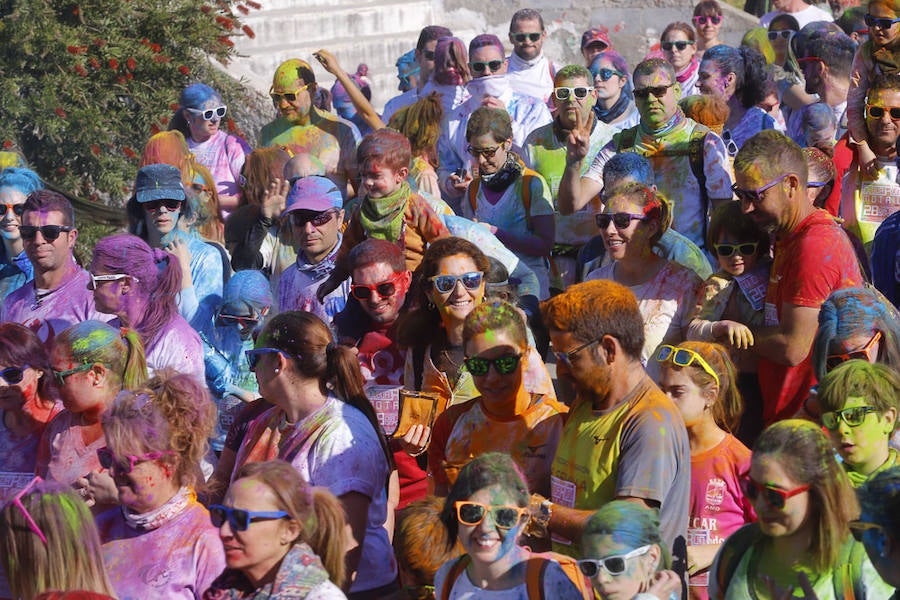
(679, 45)
(301, 218)
(155, 205)
(876, 112)
(756, 196)
(17, 209)
(866, 353)
(126, 464)
(784, 34)
(488, 153)
(13, 375)
(447, 283)
(853, 417)
(605, 74)
(504, 365)
(614, 565)
(490, 65)
(61, 376)
(657, 90)
(210, 113)
(277, 97)
(504, 517)
(92, 284)
(622, 220)
(684, 357)
(50, 232)
(880, 22)
(240, 519)
(384, 289)
(746, 249)
(704, 19)
(520, 38)
(775, 497)
(564, 93)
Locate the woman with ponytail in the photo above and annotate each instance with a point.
(701, 380)
(324, 425)
(139, 285)
(307, 561)
(91, 363)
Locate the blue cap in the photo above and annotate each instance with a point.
(158, 182)
(248, 286)
(313, 193)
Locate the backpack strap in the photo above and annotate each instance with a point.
(472, 192)
(456, 569)
(527, 175)
(733, 550)
(847, 576)
(534, 578)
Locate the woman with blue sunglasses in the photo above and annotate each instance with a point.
(612, 82)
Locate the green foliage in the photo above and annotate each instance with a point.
(84, 84)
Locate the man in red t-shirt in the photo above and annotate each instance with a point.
(813, 257)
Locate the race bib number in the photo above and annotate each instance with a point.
(878, 201)
(562, 492)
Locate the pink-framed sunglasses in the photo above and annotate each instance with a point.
(17, 501)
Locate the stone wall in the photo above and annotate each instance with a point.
(377, 33)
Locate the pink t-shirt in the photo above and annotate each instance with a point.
(62, 455)
(718, 505)
(178, 559)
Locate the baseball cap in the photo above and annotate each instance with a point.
(595, 34)
(158, 182)
(313, 193)
(247, 286)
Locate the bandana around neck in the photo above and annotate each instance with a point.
(321, 269)
(382, 218)
(688, 71)
(162, 515)
(506, 175)
(608, 115)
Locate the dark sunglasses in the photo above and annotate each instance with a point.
(504, 517)
(565, 358)
(520, 38)
(301, 218)
(620, 219)
(853, 417)
(50, 232)
(756, 196)
(488, 153)
(240, 519)
(564, 93)
(17, 209)
(657, 90)
(783, 34)
(125, 464)
(491, 65)
(13, 375)
(154, 205)
(680, 45)
(704, 19)
(504, 365)
(605, 74)
(385, 289)
(428, 54)
(277, 97)
(242, 321)
(726, 250)
(614, 565)
(880, 23)
(209, 114)
(446, 283)
(775, 497)
(865, 353)
(876, 112)
(254, 355)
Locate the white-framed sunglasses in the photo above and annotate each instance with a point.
(101, 278)
(210, 113)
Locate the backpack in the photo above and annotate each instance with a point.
(626, 139)
(846, 577)
(535, 571)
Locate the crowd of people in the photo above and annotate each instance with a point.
(594, 330)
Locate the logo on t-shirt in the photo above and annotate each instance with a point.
(715, 492)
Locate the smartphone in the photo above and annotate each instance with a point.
(461, 173)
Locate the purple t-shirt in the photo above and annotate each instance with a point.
(47, 313)
(178, 559)
(177, 346)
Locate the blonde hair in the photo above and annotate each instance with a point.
(728, 406)
(71, 559)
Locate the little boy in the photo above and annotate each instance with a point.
(389, 210)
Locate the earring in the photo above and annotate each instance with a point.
(277, 370)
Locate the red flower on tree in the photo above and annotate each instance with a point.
(128, 152)
(94, 62)
(60, 112)
(113, 64)
(184, 70)
(81, 70)
(95, 149)
(7, 144)
(248, 31)
(131, 63)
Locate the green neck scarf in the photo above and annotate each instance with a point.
(382, 218)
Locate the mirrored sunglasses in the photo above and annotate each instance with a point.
(684, 357)
(253, 356)
(520, 38)
(746, 249)
(704, 19)
(490, 65)
(301, 218)
(614, 565)
(679, 45)
(775, 497)
(605, 74)
(504, 365)
(209, 114)
(446, 283)
(853, 417)
(277, 97)
(49, 232)
(155, 205)
(240, 519)
(504, 517)
(564, 93)
(876, 112)
(622, 220)
(657, 90)
(385, 289)
(866, 353)
(13, 375)
(95, 279)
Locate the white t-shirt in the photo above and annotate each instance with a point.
(804, 17)
(557, 586)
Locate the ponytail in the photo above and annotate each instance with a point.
(327, 532)
(134, 374)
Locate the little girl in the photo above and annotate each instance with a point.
(730, 302)
(877, 55)
(700, 379)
